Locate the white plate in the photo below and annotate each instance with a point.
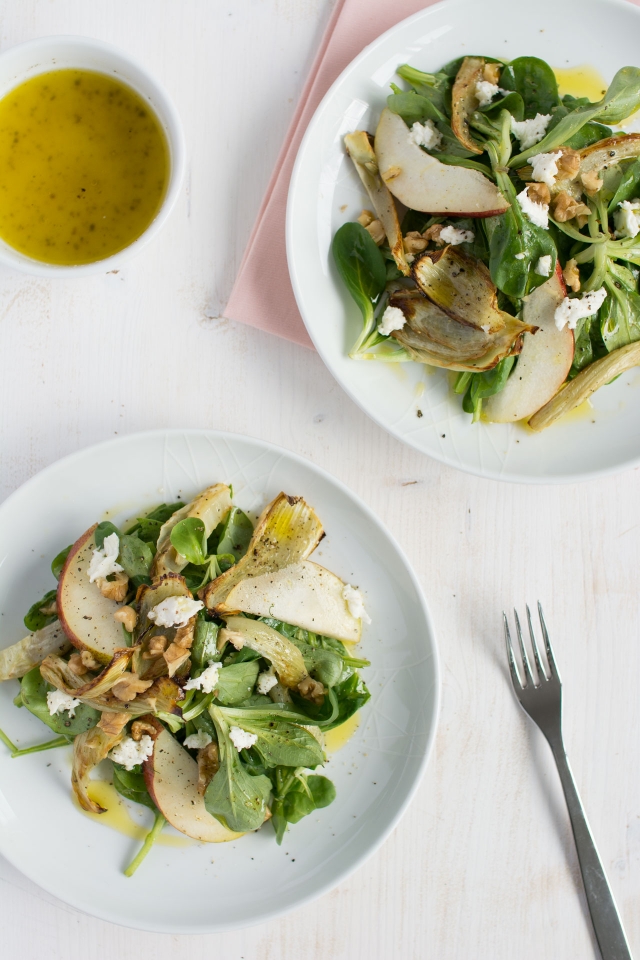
(201, 887)
(325, 192)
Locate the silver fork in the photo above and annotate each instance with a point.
(543, 703)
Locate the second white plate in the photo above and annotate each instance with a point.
(411, 401)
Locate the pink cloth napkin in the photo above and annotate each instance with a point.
(262, 294)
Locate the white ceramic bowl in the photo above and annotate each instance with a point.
(57, 53)
(200, 888)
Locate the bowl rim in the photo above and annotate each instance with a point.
(150, 90)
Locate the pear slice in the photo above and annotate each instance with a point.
(544, 362)
(423, 183)
(303, 594)
(171, 776)
(86, 616)
(287, 531)
(211, 506)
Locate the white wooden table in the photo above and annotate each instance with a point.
(483, 864)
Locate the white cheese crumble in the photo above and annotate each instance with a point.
(545, 167)
(454, 236)
(58, 700)
(543, 266)
(174, 611)
(266, 681)
(537, 213)
(241, 739)
(425, 135)
(570, 311)
(103, 562)
(520, 256)
(392, 319)
(197, 741)
(627, 218)
(129, 752)
(207, 681)
(531, 131)
(355, 603)
(485, 92)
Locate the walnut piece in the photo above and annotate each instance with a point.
(567, 207)
(312, 690)
(491, 72)
(366, 217)
(89, 660)
(113, 723)
(433, 233)
(568, 164)
(414, 242)
(127, 617)
(76, 665)
(539, 193)
(208, 765)
(376, 232)
(129, 686)
(571, 275)
(49, 609)
(156, 647)
(591, 182)
(114, 589)
(140, 727)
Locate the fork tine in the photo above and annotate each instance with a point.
(547, 643)
(542, 673)
(513, 667)
(523, 650)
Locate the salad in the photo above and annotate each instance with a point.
(204, 657)
(503, 236)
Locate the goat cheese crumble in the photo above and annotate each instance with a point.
(266, 681)
(545, 167)
(627, 218)
(543, 266)
(531, 131)
(392, 319)
(537, 213)
(129, 752)
(207, 681)
(355, 603)
(485, 92)
(454, 236)
(425, 135)
(174, 611)
(520, 256)
(58, 700)
(197, 741)
(103, 562)
(241, 739)
(570, 311)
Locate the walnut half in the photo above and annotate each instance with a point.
(114, 589)
(129, 686)
(567, 207)
(312, 690)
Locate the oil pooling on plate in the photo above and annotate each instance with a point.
(117, 816)
(84, 167)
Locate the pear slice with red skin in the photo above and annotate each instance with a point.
(171, 776)
(544, 361)
(85, 615)
(422, 182)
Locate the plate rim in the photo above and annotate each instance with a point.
(485, 474)
(325, 888)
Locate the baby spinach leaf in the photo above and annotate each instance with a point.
(131, 785)
(620, 101)
(628, 187)
(510, 235)
(204, 648)
(283, 743)
(188, 538)
(59, 561)
(164, 511)
(34, 689)
(136, 556)
(619, 315)
(362, 268)
(235, 797)
(589, 134)
(513, 102)
(236, 534)
(481, 385)
(236, 682)
(350, 694)
(35, 619)
(435, 87)
(413, 108)
(104, 530)
(535, 82)
(304, 797)
(148, 530)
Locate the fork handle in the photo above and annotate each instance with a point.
(604, 913)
